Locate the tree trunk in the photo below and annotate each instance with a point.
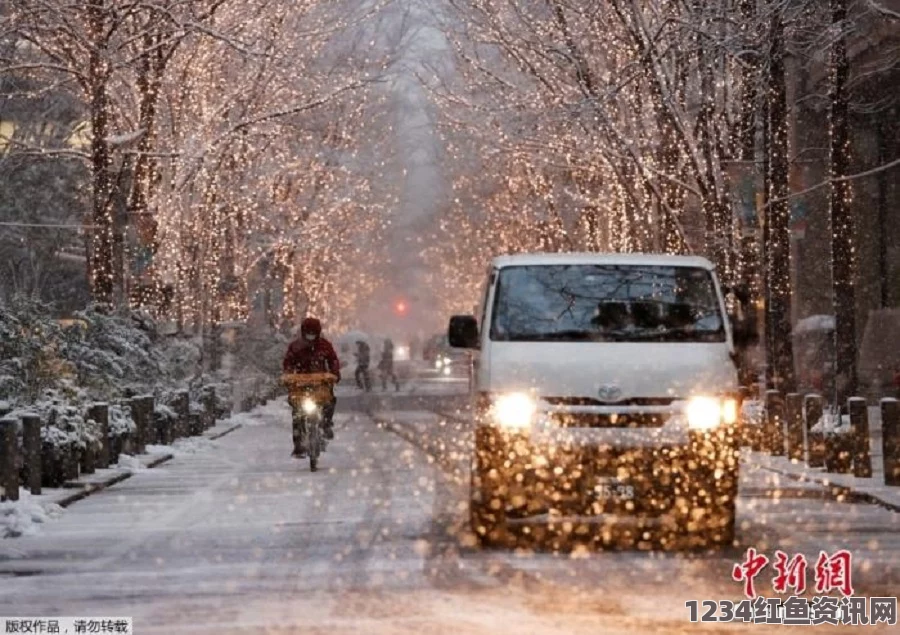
(101, 263)
(672, 202)
(764, 242)
(716, 213)
(883, 233)
(842, 252)
(150, 68)
(779, 267)
(749, 265)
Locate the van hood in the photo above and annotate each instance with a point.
(610, 371)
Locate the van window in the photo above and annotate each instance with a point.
(618, 303)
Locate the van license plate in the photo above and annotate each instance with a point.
(613, 490)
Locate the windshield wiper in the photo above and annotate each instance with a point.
(573, 335)
(679, 333)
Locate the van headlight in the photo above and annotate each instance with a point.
(515, 410)
(707, 413)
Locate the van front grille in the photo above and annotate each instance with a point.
(592, 420)
(590, 401)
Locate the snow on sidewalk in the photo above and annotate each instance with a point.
(872, 489)
(25, 516)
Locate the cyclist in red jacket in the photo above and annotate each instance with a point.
(312, 353)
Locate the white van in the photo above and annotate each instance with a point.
(605, 393)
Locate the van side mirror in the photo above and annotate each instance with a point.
(463, 331)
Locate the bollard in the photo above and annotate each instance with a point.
(794, 417)
(182, 407)
(99, 412)
(148, 405)
(753, 434)
(163, 427)
(87, 459)
(31, 443)
(208, 399)
(142, 413)
(859, 437)
(69, 462)
(51, 466)
(890, 440)
(838, 448)
(813, 407)
(9, 473)
(195, 423)
(747, 393)
(773, 426)
(134, 405)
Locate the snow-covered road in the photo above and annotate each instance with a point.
(236, 537)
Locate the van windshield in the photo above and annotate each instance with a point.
(617, 303)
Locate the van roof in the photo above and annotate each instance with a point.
(660, 260)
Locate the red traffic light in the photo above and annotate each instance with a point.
(401, 307)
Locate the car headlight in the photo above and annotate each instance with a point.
(309, 406)
(707, 413)
(447, 370)
(438, 363)
(515, 410)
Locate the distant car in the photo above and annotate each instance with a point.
(444, 357)
(604, 392)
(432, 346)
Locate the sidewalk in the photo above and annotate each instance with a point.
(20, 517)
(87, 484)
(871, 490)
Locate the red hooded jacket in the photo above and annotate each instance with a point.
(311, 357)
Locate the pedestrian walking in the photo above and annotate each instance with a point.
(363, 378)
(386, 365)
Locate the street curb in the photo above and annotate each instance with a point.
(222, 434)
(91, 488)
(837, 491)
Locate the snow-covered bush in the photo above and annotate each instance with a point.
(31, 348)
(182, 357)
(221, 395)
(112, 352)
(63, 421)
(120, 421)
(163, 413)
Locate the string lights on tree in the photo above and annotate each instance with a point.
(194, 111)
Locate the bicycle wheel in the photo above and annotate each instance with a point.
(314, 432)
